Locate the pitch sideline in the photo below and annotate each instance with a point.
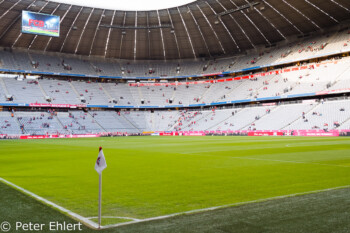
(128, 218)
(91, 224)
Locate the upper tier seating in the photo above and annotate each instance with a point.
(316, 78)
(38, 61)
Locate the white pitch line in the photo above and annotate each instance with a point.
(222, 206)
(128, 218)
(76, 216)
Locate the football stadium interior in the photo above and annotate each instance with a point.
(85, 75)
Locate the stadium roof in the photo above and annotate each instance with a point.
(130, 5)
(194, 30)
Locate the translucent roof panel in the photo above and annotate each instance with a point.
(128, 5)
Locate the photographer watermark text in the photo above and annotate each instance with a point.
(37, 227)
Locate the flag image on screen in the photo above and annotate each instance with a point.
(40, 24)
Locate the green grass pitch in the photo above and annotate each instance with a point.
(154, 176)
(41, 32)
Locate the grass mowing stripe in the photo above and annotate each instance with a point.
(274, 160)
(286, 161)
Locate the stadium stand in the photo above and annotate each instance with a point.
(197, 68)
(8, 124)
(296, 79)
(335, 42)
(295, 116)
(316, 77)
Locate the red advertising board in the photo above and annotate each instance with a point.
(169, 134)
(317, 134)
(265, 133)
(229, 79)
(59, 136)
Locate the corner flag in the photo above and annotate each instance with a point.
(100, 164)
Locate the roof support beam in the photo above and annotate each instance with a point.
(136, 27)
(148, 37)
(10, 26)
(217, 37)
(108, 35)
(61, 20)
(251, 21)
(135, 39)
(322, 11)
(257, 10)
(31, 43)
(70, 29)
(199, 29)
(21, 32)
(8, 10)
(188, 34)
(97, 28)
(174, 32)
(82, 33)
(237, 24)
(13, 21)
(161, 35)
(340, 5)
(122, 37)
(273, 8)
(291, 6)
(247, 6)
(224, 25)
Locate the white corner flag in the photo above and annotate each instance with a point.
(100, 165)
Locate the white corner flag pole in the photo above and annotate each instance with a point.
(99, 167)
(99, 199)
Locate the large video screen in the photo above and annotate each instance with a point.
(40, 24)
